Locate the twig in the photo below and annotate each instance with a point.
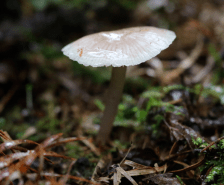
(209, 65)
(189, 167)
(126, 154)
(212, 143)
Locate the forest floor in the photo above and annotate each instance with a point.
(169, 127)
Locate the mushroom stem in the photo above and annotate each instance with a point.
(113, 99)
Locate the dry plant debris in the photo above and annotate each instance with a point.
(177, 130)
(16, 161)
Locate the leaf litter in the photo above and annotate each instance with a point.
(167, 148)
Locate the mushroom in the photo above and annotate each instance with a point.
(119, 49)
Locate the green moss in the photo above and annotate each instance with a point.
(214, 158)
(49, 124)
(74, 150)
(121, 146)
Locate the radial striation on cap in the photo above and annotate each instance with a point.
(125, 47)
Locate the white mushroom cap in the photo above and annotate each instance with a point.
(124, 47)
